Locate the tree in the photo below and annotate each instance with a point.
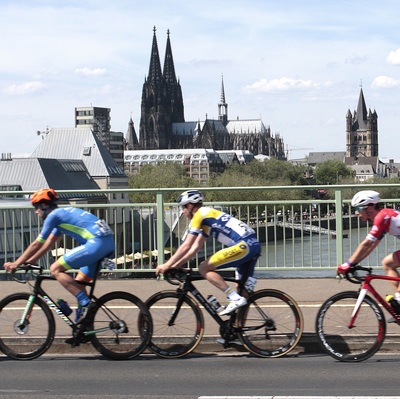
(270, 173)
(168, 174)
(333, 172)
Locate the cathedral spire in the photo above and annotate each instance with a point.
(155, 74)
(222, 91)
(169, 68)
(223, 106)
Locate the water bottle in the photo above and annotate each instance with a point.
(63, 305)
(393, 302)
(214, 303)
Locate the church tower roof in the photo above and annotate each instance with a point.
(169, 68)
(155, 74)
(361, 112)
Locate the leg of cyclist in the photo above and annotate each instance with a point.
(229, 257)
(390, 263)
(87, 254)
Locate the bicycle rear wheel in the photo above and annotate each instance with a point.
(34, 337)
(121, 325)
(184, 334)
(271, 324)
(350, 344)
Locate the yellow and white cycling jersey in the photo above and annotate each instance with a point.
(223, 227)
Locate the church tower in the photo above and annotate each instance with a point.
(162, 102)
(361, 131)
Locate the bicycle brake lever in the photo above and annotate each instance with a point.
(339, 277)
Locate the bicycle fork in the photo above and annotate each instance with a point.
(24, 322)
(360, 299)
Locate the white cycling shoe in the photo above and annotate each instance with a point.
(233, 305)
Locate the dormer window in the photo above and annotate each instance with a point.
(87, 151)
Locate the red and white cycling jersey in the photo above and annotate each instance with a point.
(386, 221)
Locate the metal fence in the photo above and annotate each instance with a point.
(295, 235)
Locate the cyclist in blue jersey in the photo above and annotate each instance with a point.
(94, 235)
(239, 240)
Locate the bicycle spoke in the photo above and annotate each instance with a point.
(177, 336)
(31, 339)
(271, 324)
(122, 326)
(350, 344)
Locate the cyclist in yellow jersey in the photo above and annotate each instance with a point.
(239, 240)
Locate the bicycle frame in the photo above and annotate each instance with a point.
(366, 287)
(189, 287)
(38, 291)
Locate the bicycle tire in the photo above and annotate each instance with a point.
(184, 335)
(125, 325)
(271, 324)
(346, 344)
(35, 338)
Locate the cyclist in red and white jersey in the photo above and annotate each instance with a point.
(385, 220)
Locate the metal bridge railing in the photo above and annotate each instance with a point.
(295, 235)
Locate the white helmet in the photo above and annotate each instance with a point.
(365, 198)
(190, 197)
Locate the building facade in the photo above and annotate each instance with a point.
(99, 120)
(163, 126)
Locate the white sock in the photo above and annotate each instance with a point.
(231, 294)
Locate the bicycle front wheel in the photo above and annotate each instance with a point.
(350, 344)
(121, 327)
(271, 324)
(173, 338)
(34, 336)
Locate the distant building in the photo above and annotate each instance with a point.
(361, 132)
(163, 126)
(199, 163)
(99, 120)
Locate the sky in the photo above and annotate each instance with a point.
(298, 66)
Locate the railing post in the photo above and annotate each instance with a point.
(339, 225)
(160, 226)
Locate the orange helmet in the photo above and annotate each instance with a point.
(46, 195)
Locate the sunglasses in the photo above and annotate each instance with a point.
(360, 208)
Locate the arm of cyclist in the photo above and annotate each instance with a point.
(33, 253)
(362, 251)
(185, 252)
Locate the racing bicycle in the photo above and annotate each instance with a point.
(118, 324)
(351, 325)
(270, 325)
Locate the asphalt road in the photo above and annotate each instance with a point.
(228, 374)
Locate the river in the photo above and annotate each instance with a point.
(315, 255)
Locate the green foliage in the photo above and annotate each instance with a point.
(333, 172)
(168, 174)
(269, 173)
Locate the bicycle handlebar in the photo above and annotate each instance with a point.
(176, 276)
(26, 268)
(352, 275)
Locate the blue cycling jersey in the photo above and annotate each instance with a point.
(73, 222)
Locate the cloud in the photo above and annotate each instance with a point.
(384, 82)
(282, 84)
(28, 87)
(90, 72)
(394, 57)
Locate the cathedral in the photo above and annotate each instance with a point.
(163, 125)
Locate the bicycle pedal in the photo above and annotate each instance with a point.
(73, 341)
